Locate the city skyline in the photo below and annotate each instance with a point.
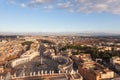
(60, 16)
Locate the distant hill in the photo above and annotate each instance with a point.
(61, 33)
(97, 34)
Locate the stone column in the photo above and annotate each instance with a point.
(41, 71)
(23, 74)
(66, 71)
(52, 71)
(14, 75)
(59, 72)
(1, 77)
(45, 71)
(38, 73)
(77, 71)
(31, 74)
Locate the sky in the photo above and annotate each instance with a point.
(60, 16)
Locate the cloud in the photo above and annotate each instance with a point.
(49, 7)
(38, 2)
(80, 6)
(23, 5)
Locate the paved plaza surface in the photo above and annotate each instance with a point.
(35, 65)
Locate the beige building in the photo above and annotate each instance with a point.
(91, 70)
(104, 48)
(1, 69)
(115, 61)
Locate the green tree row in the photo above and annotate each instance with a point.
(95, 53)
